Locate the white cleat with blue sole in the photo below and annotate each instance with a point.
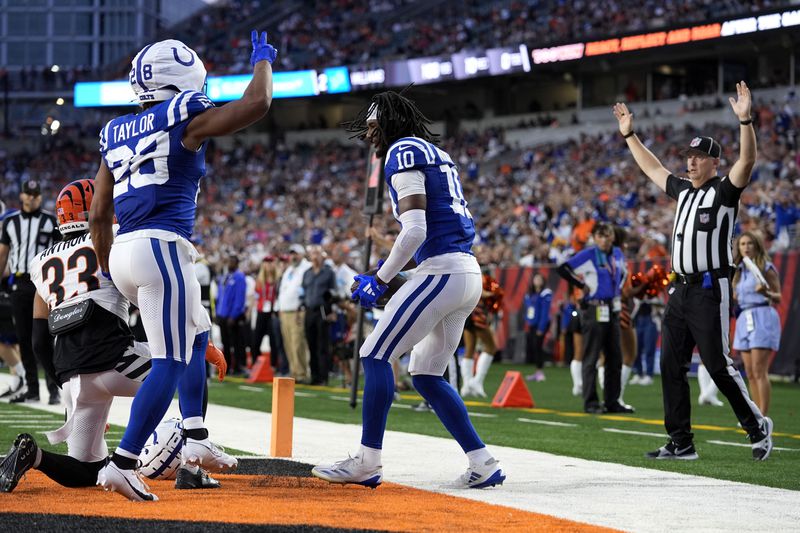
(350, 471)
(481, 476)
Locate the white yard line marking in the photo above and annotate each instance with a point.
(251, 389)
(628, 432)
(482, 415)
(745, 445)
(401, 406)
(339, 398)
(305, 394)
(546, 422)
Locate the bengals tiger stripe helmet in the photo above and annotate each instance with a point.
(72, 206)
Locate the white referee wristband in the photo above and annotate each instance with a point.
(411, 237)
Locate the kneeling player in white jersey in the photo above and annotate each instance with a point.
(95, 357)
(427, 314)
(149, 176)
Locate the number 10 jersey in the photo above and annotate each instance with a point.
(156, 179)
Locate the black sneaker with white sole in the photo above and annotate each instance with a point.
(762, 447)
(24, 397)
(187, 479)
(672, 451)
(19, 459)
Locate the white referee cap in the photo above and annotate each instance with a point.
(163, 69)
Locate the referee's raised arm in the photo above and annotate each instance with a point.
(649, 163)
(740, 171)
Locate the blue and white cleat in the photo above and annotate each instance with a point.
(481, 476)
(351, 470)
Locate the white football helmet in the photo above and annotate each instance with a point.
(163, 69)
(161, 456)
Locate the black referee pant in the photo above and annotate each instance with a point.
(22, 304)
(600, 337)
(697, 316)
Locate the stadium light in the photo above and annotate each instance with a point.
(55, 68)
(60, 101)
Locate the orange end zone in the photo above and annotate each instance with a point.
(287, 501)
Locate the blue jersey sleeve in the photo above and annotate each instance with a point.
(408, 154)
(186, 106)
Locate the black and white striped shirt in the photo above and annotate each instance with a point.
(704, 221)
(27, 234)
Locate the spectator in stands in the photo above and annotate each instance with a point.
(757, 289)
(232, 316)
(292, 315)
(319, 292)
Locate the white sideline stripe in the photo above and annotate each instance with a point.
(611, 495)
(642, 433)
(482, 415)
(339, 398)
(546, 422)
(251, 389)
(743, 445)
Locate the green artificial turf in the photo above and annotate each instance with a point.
(587, 439)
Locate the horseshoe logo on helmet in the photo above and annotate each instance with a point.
(179, 60)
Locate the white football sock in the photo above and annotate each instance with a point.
(484, 362)
(193, 422)
(19, 370)
(625, 375)
(466, 369)
(576, 370)
(370, 456)
(601, 376)
(479, 456)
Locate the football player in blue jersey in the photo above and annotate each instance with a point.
(426, 315)
(150, 169)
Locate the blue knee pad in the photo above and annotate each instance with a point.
(192, 385)
(450, 409)
(378, 396)
(151, 403)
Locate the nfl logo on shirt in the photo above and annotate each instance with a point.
(704, 218)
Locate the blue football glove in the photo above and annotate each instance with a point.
(368, 291)
(262, 51)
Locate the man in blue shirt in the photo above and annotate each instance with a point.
(231, 316)
(600, 271)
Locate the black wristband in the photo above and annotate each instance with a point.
(746, 122)
(629, 134)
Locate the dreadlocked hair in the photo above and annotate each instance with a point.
(398, 117)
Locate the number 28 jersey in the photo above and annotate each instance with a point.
(156, 179)
(450, 225)
(68, 273)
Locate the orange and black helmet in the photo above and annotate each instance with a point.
(72, 206)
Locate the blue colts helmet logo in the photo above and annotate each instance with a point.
(188, 63)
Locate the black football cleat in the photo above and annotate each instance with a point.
(19, 459)
(186, 479)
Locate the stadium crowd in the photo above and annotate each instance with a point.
(533, 205)
(349, 32)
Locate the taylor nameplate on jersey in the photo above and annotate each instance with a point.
(69, 317)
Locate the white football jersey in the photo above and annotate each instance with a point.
(68, 272)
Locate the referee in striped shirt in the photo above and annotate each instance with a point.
(698, 309)
(25, 234)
